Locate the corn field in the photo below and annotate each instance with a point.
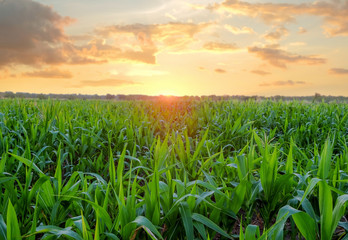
(182, 169)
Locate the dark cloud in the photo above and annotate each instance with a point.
(338, 71)
(283, 83)
(280, 58)
(219, 70)
(260, 72)
(33, 34)
(104, 83)
(49, 73)
(25, 23)
(44, 54)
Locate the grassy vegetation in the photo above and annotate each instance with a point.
(173, 170)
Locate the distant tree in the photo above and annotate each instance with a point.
(23, 95)
(110, 96)
(9, 95)
(317, 97)
(42, 96)
(121, 97)
(72, 96)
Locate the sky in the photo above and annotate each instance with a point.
(174, 47)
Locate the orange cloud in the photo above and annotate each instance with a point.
(143, 42)
(338, 71)
(280, 58)
(237, 30)
(49, 73)
(277, 34)
(302, 30)
(46, 42)
(282, 83)
(104, 83)
(145, 33)
(6, 73)
(334, 12)
(99, 49)
(219, 70)
(220, 47)
(260, 72)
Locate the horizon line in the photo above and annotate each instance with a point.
(171, 95)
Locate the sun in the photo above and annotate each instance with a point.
(168, 93)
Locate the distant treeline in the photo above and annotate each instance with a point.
(122, 97)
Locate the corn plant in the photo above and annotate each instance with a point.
(178, 169)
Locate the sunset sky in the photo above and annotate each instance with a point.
(191, 47)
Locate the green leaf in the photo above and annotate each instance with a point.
(58, 232)
(303, 221)
(84, 228)
(34, 221)
(239, 196)
(309, 188)
(199, 146)
(207, 222)
(338, 211)
(289, 161)
(3, 229)
(58, 173)
(144, 222)
(13, 231)
(252, 232)
(186, 219)
(241, 233)
(37, 187)
(306, 225)
(103, 214)
(325, 160)
(6, 179)
(325, 207)
(28, 163)
(201, 230)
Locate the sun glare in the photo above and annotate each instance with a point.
(168, 93)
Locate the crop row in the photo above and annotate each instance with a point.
(173, 170)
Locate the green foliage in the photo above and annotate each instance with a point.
(180, 169)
